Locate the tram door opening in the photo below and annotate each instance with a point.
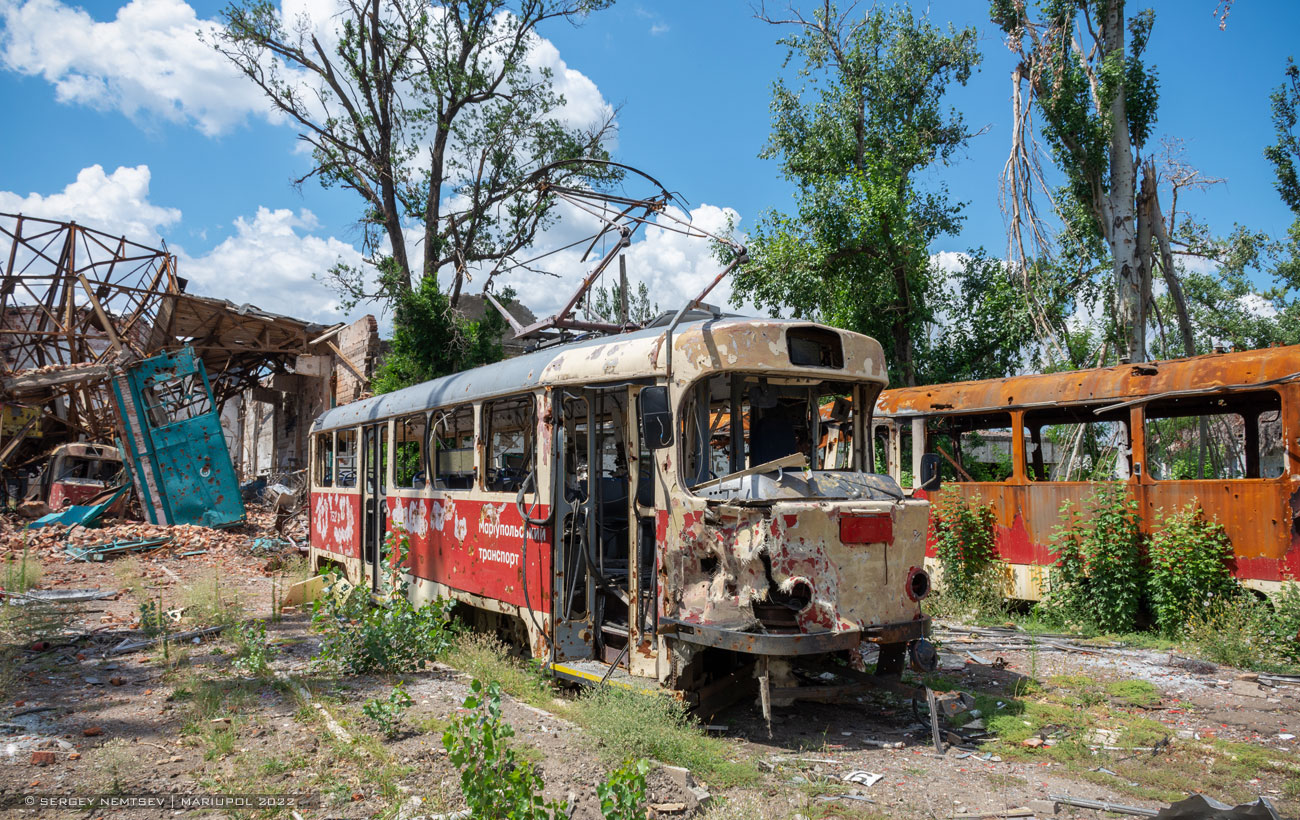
(597, 574)
(374, 453)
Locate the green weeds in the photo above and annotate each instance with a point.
(387, 712)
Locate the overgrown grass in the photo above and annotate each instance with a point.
(630, 725)
(488, 659)
(207, 603)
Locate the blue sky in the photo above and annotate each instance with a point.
(691, 79)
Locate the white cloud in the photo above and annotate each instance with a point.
(271, 261)
(148, 59)
(1257, 306)
(268, 261)
(658, 28)
(116, 203)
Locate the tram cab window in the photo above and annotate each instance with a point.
(511, 426)
(733, 422)
(323, 471)
(451, 439)
(972, 448)
(409, 470)
(345, 459)
(1236, 435)
(1076, 444)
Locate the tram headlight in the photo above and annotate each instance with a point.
(918, 583)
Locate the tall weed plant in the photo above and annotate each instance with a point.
(1097, 581)
(971, 577)
(1189, 568)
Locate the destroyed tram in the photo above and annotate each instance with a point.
(695, 508)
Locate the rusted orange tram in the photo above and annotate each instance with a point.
(651, 505)
(1219, 430)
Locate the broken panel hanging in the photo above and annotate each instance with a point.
(173, 444)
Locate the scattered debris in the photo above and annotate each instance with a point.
(864, 778)
(1194, 807)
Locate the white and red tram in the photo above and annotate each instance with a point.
(623, 511)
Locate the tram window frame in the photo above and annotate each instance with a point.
(1161, 419)
(323, 462)
(418, 479)
(464, 479)
(962, 431)
(503, 479)
(347, 435)
(711, 430)
(1075, 415)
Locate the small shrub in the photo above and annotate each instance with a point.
(392, 636)
(1235, 632)
(494, 780)
(1284, 624)
(254, 653)
(622, 795)
(387, 712)
(1096, 582)
(1188, 567)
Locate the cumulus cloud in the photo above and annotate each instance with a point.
(152, 59)
(116, 203)
(271, 261)
(268, 261)
(147, 60)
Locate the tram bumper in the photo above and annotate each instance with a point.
(793, 644)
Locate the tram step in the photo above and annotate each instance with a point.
(614, 629)
(590, 672)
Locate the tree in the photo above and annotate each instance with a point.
(1285, 155)
(852, 140)
(430, 339)
(1082, 64)
(430, 114)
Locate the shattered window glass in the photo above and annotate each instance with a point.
(511, 425)
(741, 424)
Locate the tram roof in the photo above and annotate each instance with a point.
(1142, 381)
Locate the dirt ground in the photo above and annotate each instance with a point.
(76, 720)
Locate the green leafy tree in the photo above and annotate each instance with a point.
(430, 114)
(1285, 154)
(864, 123)
(431, 339)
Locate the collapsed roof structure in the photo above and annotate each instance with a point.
(75, 301)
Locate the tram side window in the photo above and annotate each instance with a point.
(511, 453)
(1215, 437)
(1075, 444)
(324, 472)
(451, 438)
(345, 459)
(408, 453)
(973, 448)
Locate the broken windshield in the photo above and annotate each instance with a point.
(743, 434)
